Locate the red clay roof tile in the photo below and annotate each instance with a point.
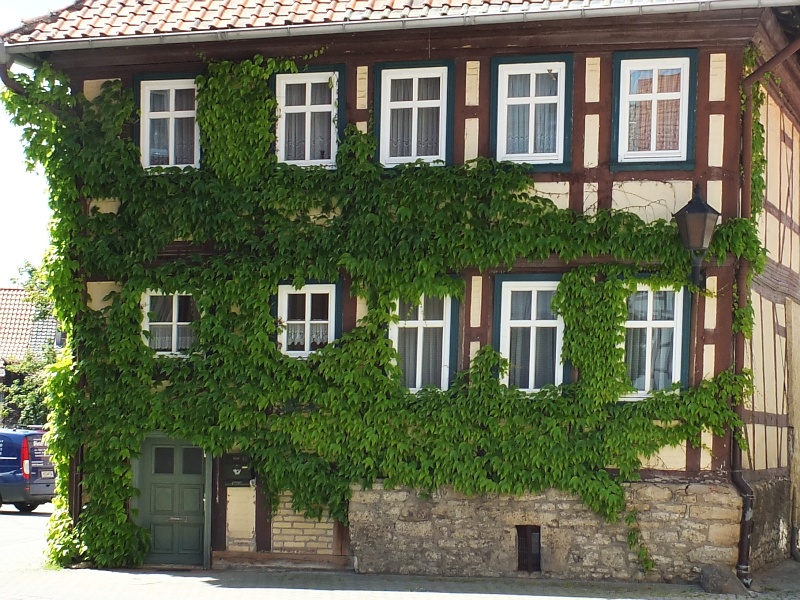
(124, 18)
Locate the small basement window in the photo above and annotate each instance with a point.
(529, 548)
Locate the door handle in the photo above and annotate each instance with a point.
(178, 519)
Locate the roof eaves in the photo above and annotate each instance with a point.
(531, 12)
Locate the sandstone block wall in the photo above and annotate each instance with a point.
(772, 526)
(683, 525)
(292, 532)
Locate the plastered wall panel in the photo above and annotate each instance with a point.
(362, 83)
(591, 141)
(104, 205)
(710, 318)
(473, 94)
(590, 198)
(760, 447)
(98, 290)
(716, 78)
(93, 87)
(716, 139)
(669, 458)
(241, 519)
(557, 191)
(714, 194)
(706, 456)
(769, 373)
(471, 135)
(592, 79)
(651, 200)
(757, 355)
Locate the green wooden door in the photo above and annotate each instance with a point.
(172, 482)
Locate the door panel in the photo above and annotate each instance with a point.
(172, 476)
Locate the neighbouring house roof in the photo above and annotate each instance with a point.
(20, 333)
(143, 20)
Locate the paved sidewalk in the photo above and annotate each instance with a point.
(27, 583)
(24, 576)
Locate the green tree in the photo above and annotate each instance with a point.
(24, 402)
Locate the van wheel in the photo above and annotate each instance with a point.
(24, 507)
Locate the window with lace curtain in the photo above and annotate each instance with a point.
(307, 110)
(531, 101)
(168, 133)
(654, 115)
(308, 317)
(530, 334)
(422, 337)
(413, 115)
(653, 339)
(168, 320)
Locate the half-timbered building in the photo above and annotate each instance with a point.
(616, 105)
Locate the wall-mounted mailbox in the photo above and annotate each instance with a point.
(236, 470)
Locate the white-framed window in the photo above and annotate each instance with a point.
(531, 334)
(413, 115)
(168, 320)
(530, 112)
(169, 135)
(422, 339)
(307, 107)
(654, 109)
(653, 332)
(308, 316)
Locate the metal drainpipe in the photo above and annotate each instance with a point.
(744, 488)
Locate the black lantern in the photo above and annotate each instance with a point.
(696, 222)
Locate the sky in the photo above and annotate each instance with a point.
(24, 212)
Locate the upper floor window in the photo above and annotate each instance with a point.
(653, 339)
(308, 316)
(654, 115)
(413, 122)
(422, 339)
(169, 135)
(168, 320)
(307, 108)
(531, 111)
(531, 334)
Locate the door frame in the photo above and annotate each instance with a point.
(137, 482)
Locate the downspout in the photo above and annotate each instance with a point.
(743, 487)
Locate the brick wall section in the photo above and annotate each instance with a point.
(772, 522)
(683, 525)
(292, 532)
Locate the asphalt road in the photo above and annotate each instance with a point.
(25, 576)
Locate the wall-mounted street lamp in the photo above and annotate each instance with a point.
(696, 222)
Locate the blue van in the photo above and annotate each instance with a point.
(27, 476)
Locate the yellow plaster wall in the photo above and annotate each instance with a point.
(716, 78)
(362, 82)
(473, 77)
(592, 92)
(97, 291)
(557, 191)
(590, 198)
(92, 87)
(669, 458)
(793, 386)
(471, 136)
(651, 200)
(240, 519)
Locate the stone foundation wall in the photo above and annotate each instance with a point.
(683, 525)
(292, 532)
(771, 522)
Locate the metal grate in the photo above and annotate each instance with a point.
(529, 548)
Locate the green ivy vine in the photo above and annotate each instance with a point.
(317, 426)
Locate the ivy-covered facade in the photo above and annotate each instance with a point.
(337, 288)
